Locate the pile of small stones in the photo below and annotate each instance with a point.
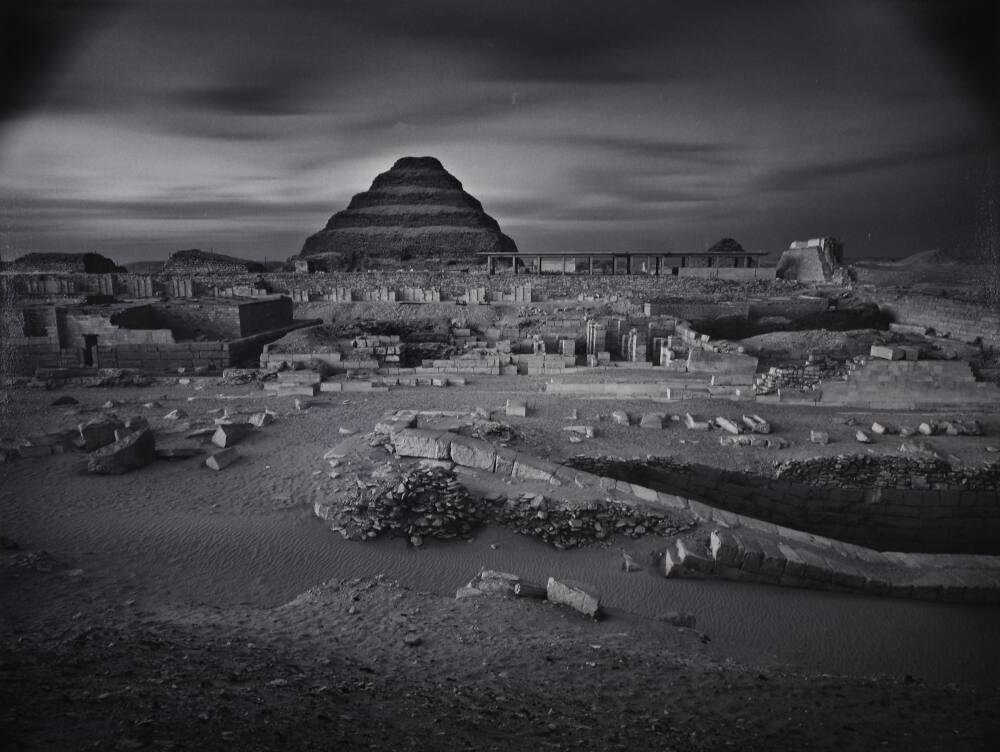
(425, 502)
(887, 472)
(806, 376)
(429, 502)
(532, 514)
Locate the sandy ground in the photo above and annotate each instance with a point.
(158, 620)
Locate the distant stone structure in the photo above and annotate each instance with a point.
(196, 261)
(65, 263)
(415, 213)
(818, 260)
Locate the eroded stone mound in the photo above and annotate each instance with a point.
(197, 261)
(79, 263)
(415, 212)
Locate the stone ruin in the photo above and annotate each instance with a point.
(820, 260)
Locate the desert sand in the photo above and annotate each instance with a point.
(176, 608)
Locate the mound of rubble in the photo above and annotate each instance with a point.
(867, 471)
(421, 502)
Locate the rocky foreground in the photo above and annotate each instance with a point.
(366, 664)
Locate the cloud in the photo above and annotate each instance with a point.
(826, 171)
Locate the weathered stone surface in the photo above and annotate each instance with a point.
(177, 414)
(586, 431)
(727, 425)
(726, 548)
(416, 210)
(489, 582)
(228, 434)
(133, 450)
(578, 596)
(99, 432)
(516, 408)
(819, 437)
(693, 424)
(222, 459)
(652, 421)
(419, 442)
(473, 453)
(886, 352)
(756, 424)
(260, 420)
(533, 468)
(620, 417)
(862, 437)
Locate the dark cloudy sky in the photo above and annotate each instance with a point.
(147, 126)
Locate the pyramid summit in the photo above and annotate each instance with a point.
(416, 212)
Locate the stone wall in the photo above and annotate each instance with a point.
(884, 384)
(965, 321)
(929, 520)
(198, 319)
(266, 315)
(135, 325)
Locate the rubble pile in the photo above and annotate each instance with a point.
(806, 376)
(424, 502)
(566, 527)
(887, 472)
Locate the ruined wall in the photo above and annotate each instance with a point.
(126, 326)
(23, 356)
(965, 321)
(264, 315)
(893, 519)
(190, 320)
(908, 385)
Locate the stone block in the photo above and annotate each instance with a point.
(260, 420)
(516, 408)
(489, 582)
(726, 548)
(694, 558)
(419, 442)
(98, 432)
(586, 431)
(576, 595)
(885, 352)
(620, 417)
(475, 453)
(222, 459)
(228, 434)
(533, 468)
(299, 377)
(727, 425)
(506, 458)
(819, 437)
(133, 450)
(652, 421)
(693, 424)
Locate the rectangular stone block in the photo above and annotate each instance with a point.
(576, 595)
(516, 408)
(418, 442)
(222, 459)
(474, 453)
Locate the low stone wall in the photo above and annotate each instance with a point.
(23, 356)
(965, 321)
(739, 546)
(884, 384)
(929, 520)
(751, 552)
